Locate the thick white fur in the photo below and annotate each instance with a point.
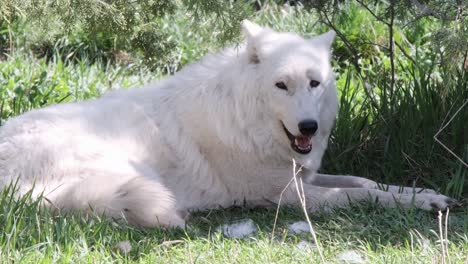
(210, 136)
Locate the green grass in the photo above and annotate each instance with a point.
(390, 140)
(29, 83)
(30, 234)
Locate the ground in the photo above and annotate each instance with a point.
(364, 233)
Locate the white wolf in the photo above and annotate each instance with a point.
(220, 132)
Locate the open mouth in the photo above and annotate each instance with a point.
(301, 144)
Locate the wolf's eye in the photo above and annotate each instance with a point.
(281, 85)
(314, 83)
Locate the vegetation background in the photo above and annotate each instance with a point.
(402, 76)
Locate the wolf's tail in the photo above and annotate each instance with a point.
(141, 201)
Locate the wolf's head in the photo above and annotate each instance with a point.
(296, 82)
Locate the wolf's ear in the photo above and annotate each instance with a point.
(251, 31)
(324, 40)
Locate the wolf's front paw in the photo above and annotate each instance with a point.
(429, 202)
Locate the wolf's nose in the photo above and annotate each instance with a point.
(308, 127)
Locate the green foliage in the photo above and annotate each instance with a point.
(399, 136)
(102, 28)
(102, 25)
(27, 83)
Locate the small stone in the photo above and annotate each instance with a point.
(240, 229)
(351, 256)
(171, 242)
(306, 245)
(124, 247)
(299, 227)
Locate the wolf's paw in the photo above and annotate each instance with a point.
(434, 202)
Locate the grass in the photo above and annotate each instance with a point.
(391, 142)
(30, 234)
(29, 83)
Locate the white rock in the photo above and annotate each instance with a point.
(240, 229)
(306, 245)
(124, 247)
(351, 256)
(299, 227)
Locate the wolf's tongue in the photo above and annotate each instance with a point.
(303, 141)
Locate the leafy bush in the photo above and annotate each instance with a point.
(99, 29)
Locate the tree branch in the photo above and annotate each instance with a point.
(426, 11)
(348, 44)
(372, 12)
(391, 48)
(355, 58)
(405, 53)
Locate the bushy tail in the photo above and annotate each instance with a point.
(140, 201)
